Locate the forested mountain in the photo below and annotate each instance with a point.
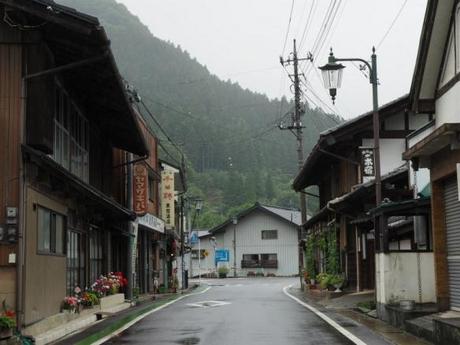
(229, 134)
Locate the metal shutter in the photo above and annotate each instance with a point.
(452, 213)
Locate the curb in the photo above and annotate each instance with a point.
(326, 318)
(132, 318)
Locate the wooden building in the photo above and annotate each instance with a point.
(435, 91)
(341, 166)
(63, 111)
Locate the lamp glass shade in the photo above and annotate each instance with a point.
(198, 205)
(332, 75)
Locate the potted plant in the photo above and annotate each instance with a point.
(71, 304)
(337, 281)
(323, 280)
(7, 322)
(89, 299)
(223, 271)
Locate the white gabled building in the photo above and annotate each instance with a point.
(265, 242)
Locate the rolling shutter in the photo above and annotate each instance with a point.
(452, 214)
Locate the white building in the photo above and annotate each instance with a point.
(263, 237)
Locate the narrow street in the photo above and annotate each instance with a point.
(234, 311)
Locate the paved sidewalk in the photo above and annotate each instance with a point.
(370, 330)
(108, 325)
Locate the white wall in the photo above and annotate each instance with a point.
(447, 106)
(390, 153)
(392, 272)
(205, 265)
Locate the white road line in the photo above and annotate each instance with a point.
(326, 318)
(140, 317)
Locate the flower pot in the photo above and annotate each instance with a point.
(312, 281)
(337, 287)
(6, 333)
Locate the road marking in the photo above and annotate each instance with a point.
(208, 304)
(140, 317)
(326, 318)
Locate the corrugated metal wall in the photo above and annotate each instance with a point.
(452, 212)
(249, 241)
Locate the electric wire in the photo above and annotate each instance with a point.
(392, 24)
(311, 14)
(288, 28)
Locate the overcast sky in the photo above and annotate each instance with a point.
(242, 40)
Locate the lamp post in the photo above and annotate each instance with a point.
(332, 78)
(234, 221)
(213, 243)
(198, 208)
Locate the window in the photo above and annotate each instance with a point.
(51, 230)
(269, 234)
(71, 137)
(251, 257)
(268, 257)
(96, 255)
(259, 261)
(195, 254)
(75, 261)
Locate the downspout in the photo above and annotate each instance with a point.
(131, 240)
(22, 211)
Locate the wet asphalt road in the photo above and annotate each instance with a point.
(250, 312)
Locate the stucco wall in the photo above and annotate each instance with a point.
(447, 106)
(398, 276)
(390, 153)
(45, 275)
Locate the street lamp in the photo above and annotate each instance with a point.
(213, 243)
(198, 207)
(332, 77)
(234, 221)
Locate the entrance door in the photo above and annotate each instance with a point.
(452, 214)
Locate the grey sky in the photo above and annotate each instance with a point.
(243, 39)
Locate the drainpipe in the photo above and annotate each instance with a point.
(22, 213)
(131, 241)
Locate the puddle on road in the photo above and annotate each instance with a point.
(189, 341)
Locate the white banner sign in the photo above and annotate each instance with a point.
(152, 222)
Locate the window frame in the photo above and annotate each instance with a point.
(71, 136)
(52, 233)
(271, 231)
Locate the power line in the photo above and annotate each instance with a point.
(392, 24)
(289, 27)
(308, 23)
(161, 128)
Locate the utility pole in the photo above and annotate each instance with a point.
(297, 129)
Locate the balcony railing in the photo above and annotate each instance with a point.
(259, 264)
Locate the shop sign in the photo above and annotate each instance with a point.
(140, 189)
(367, 162)
(167, 198)
(152, 222)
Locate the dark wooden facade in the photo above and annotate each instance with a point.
(63, 113)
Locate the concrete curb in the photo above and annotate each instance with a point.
(130, 319)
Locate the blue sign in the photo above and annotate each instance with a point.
(222, 255)
(194, 237)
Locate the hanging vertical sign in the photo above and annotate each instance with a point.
(167, 198)
(367, 162)
(140, 186)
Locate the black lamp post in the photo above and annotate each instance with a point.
(332, 78)
(235, 222)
